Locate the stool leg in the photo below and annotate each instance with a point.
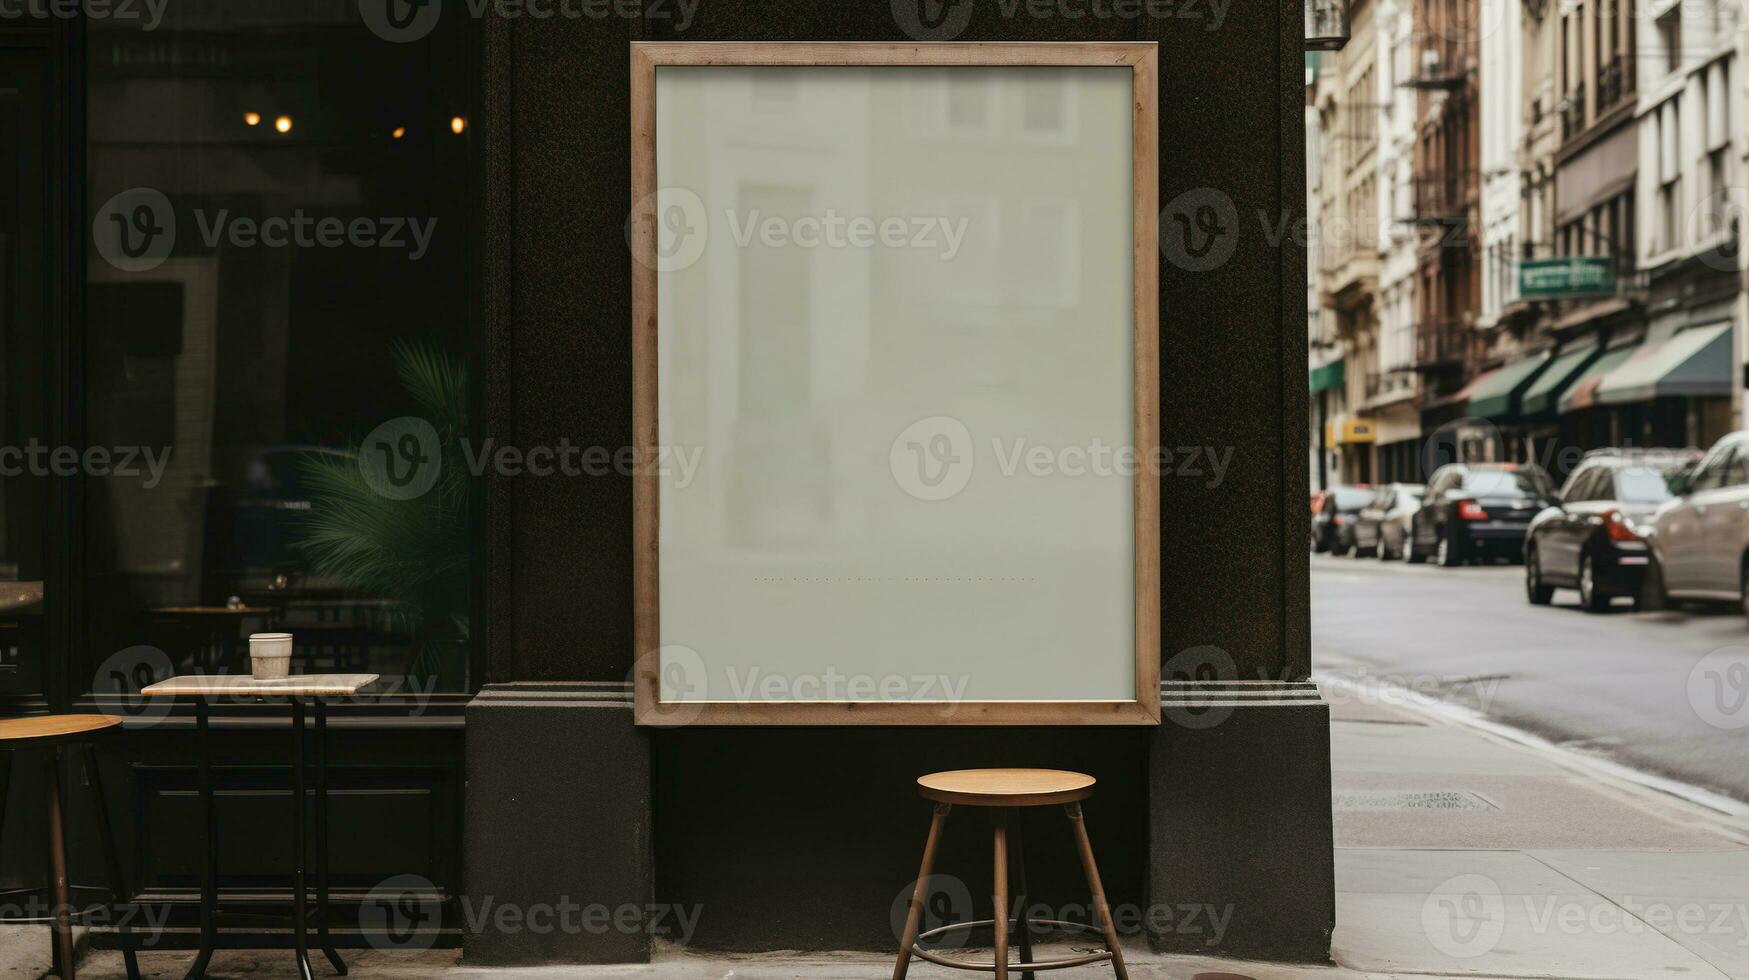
(1100, 908)
(914, 913)
(63, 924)
(1022, 925)
(111, 860)
(1001, 917)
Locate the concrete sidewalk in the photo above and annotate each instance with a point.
(1460, 853)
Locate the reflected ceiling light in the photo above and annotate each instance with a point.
(283, 124)
(399, 132)
(457, 124)
(251, 118)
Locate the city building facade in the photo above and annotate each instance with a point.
(1348, 239)
(1393, 385)
(1444, 209)
(1561, 201)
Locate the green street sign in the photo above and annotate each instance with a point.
(1566, 277)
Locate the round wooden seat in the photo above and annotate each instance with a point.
(18, 733)
(56, 736)
(1006, 787)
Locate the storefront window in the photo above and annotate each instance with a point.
(279, 207)
(23, 383)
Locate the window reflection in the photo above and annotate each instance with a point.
(302, 280)
(23, 395)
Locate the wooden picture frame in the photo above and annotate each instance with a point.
(1142, 60)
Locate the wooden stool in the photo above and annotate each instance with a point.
(1003, 790)
(52, 733)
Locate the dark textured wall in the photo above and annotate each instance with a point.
(1232, 364)
(795, 839)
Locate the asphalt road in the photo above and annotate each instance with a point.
(1663, 692)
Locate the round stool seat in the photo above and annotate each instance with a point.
(1006, 787)
(50, 729)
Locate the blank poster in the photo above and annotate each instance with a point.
(895, 383)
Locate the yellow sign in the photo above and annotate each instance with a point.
(1339, 431)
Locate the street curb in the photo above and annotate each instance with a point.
(1731, 815)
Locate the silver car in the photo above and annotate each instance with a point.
(1701, 538)
(1383, 524)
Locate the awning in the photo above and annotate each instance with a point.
(1582, 393)
(1695, 363)
(1326, 376)
(1539, 398)
(1475, 385)
(1497, 397)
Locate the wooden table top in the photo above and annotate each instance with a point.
(243, 685)
(54, 728)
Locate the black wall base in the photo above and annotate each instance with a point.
(1212, 831)
(1239, 790)
(557, 827)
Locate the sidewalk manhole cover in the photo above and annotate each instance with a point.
(1401, 800)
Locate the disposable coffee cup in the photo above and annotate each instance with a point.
(270, 655)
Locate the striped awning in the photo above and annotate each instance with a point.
(1694, 363)
(1582, 393)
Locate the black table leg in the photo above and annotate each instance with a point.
(209, 876)
(118, 885)
(321, 709)
(300, 851)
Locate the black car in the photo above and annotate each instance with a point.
(1333, 514)
(1591, 540)
(1478, 510)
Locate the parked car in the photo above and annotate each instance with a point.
(1593, 538)
(1382, 525)
(1333, 514)
(1700, 541)
(1477, 510)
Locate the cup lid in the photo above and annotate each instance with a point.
(269, 636)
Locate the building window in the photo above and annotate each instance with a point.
(1669, 223)
(1718, 203)
(1670, 37)
(967, 104)
(281, 309)
(1669, 176)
